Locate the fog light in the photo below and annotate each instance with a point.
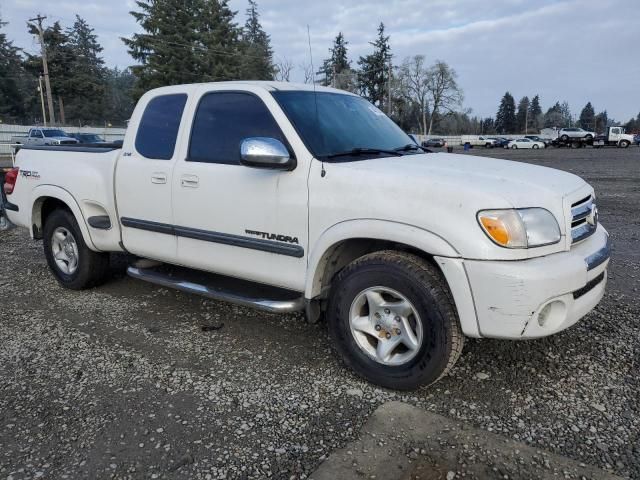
(552, 314)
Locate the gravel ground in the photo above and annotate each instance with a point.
(123, 381)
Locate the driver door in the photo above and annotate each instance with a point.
(231, 219)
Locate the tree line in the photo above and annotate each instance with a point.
(529, 118)
(189, 41)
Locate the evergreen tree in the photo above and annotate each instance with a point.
(588, 117)
(118, 96)
(535, 114)
(337, 68)
(85, 95)
(373, 77)
(185, 41)
(219, 35)
(257, 62)
(602, 121)
(506, 117)
(554, 117)
(522, 117)
(15, 83)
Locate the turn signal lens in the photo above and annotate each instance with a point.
(520, 228)
(504, 227)
(496, 229)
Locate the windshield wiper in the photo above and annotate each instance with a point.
(411, 147)
(364, 151)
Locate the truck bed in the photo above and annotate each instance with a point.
(81, 176)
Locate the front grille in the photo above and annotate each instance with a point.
(68, 142)
(588, 287)
(584, 219)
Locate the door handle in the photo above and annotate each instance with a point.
(189, 181)
(158, 178)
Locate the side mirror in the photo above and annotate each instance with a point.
(265, 152)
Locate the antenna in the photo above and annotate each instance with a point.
(323, 172)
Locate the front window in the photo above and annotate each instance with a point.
(54, 133)
(342, 123)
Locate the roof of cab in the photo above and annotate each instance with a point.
(265, 84)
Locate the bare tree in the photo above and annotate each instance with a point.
(444, 92)
(307, 70)
(284, 66)
(414, 77)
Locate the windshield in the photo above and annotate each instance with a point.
(54, 133)
(344, 123)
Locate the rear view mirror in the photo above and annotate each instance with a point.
(265, 152)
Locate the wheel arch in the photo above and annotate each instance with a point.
(344, 242)
(46, 199)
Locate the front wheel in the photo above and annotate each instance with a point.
(624, 144)
(74, 265)
(392, 320)
(514, 147)
(535, 147)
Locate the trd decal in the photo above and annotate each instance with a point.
(29, 174)
(273, 236)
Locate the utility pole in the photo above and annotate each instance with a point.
(44, 113)
(333, 79)
(45, 67)
(526, 120)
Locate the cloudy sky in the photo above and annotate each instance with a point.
(573, 50)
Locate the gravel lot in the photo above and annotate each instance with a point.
(123, 381)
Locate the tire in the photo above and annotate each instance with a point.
(535, 147)
(624, 144)
(514, 147)
(487, 145)
(564, 138)
(588, 137)
(438, 340)
(76, 267)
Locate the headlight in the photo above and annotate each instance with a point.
(55, 142)
(520, 228)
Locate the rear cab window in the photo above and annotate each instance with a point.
(159, 126)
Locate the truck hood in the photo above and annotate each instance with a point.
(519, 184)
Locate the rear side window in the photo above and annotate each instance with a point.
(158, 129)
(223, 120)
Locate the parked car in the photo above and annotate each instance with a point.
(536, 138)
(525, 143)
(240, 180)
(477, 141)
(90, 138)
(636, 139)
(434, 142)
(565, 134)
(500, 141)
(44, 136)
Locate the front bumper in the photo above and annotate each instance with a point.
(540, 296)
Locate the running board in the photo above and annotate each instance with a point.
(221, 288)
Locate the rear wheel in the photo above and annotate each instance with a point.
(392, 320)
(564, 138)
(514, 147)
(74, 265)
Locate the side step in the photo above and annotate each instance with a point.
(219, 287)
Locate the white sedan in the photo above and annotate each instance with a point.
(525, 143)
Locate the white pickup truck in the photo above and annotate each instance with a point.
(275, 196)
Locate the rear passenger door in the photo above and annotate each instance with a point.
(235, 220)
(143, 177)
